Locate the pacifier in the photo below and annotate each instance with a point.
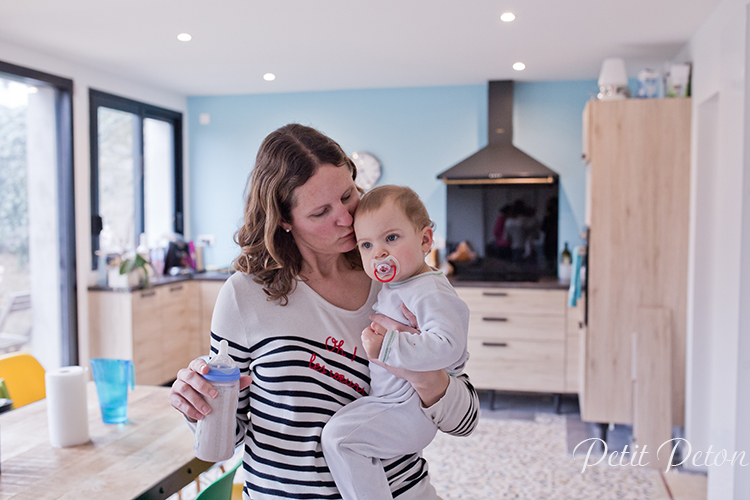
(385, 270)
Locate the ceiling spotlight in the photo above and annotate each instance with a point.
(519, 66)
(508, 17)
(184, 37)
(269, 77)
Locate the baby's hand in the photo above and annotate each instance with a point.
(372, 339)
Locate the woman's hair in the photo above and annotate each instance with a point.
(405, 198)
(286, 160)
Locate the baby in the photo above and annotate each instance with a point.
(394, 233)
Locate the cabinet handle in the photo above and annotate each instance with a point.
(175, 288)
(148, 294)
(495, 294)
(494, 344)
(495, 319)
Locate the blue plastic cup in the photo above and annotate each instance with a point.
(112, 377)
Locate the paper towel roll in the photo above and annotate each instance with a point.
(67, 408)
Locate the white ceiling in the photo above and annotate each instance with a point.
(345, 44)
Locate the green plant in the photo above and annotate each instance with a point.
(133, 263)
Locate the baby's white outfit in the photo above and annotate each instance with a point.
(390, 421)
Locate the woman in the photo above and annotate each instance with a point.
(294, 316)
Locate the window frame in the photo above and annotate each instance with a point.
(66, 201)
(98, 99)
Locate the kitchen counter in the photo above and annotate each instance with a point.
(167, 280)
(543, 284)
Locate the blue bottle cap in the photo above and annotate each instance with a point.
(222, 368)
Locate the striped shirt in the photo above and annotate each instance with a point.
(306, 361)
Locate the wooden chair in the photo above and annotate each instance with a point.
(15, 301)
(24, 378)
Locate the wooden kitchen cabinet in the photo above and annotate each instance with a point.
(161, 328)
(574, 348)
(146, 348)
(639, 151)
(209, 293)
(180, 317)
(517, 339)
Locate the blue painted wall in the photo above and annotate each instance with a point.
(415, 132)
(547, 124)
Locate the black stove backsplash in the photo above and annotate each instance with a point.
(513, 229)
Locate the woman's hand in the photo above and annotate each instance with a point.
(189, 390)
(392, 324)
(430, 386)
(373, 335)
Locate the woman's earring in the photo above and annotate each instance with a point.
(287, 230)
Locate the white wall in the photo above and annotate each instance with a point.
(41, 164)
(717, 408)
(83, 79)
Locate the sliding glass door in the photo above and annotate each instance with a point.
(37, 237)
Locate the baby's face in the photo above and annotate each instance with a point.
(387, 237)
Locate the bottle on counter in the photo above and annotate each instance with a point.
(564, 268)
(566, 257)
(214, 435)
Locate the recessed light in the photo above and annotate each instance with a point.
(269, 77)
(508, 17)
(184, 37)
(519, 66)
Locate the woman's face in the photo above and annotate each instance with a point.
(322, 213)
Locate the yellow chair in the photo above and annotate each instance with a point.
(24, 378)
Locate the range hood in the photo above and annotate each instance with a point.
(500, 162)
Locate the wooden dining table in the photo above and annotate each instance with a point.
(148, 457)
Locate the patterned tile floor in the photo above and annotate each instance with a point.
(520, 450)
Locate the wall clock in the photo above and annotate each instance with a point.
(368, 169)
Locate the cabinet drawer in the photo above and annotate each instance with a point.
(147, 302)
(516, 326)
(517, 365)
(146, 334)
(514, 300)
(176, 297)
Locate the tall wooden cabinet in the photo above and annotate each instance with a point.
(639, 152)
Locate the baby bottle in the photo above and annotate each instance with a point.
(214, 436)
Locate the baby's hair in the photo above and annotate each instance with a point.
(405, 198)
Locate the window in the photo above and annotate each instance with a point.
(38, 308)
(136, 174)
